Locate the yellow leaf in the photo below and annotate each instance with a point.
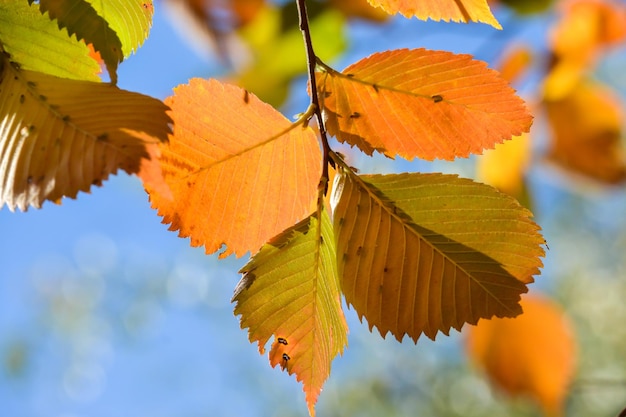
(238, 170)
(61, 136)
(422, 253)
(421, 103)
(290, 291)
(504, 167)
(587, 131)
(446, 10)
(533, 354)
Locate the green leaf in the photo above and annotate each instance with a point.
(421, 253)
(290, 290)
(130, 19)
(60, 136)
(80, 18)
(36, 43)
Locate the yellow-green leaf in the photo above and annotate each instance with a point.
(290, 292)
(60, 136)
(422, 253)
(446, 10)
(421, 103)
(36, 43)
(130, 19)
(81, 19)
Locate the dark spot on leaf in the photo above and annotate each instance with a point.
(355, 115)
(359, 250)
(31, 84)
(437, 98)
(97, 182)
(22, 98)
(246, 96)
(375, 87)
(103, 137)
(66, 118)
(282, 341)
(42, 97)
(340, 221)
(349, 75)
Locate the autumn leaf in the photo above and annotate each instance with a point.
(422, 253)
(238, 170)
(290, 291)
(36, 43)
(421, 103)
(533, 354)
(130, 19)
(505, 166)
(81, 19)
(446, 10)
(587, 131)
(60, 136)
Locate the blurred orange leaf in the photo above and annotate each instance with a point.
(446, 10)
(239, 171)
(421, 103)
(586, 27)
(533, 354)
(423, 253)
(587, 131)
(290, 291)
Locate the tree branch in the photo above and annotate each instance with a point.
(311, 59)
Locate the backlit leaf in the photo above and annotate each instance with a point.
(79, 18)
(290, 291)
(36, 43)
(533, 354)
(587, 131)
(422, 253)
(130, 19)
(421, 103)
(446, 10)
(60, 136)
(238, 170)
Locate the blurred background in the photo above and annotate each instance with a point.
(103, 312)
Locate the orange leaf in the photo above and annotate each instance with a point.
(587, 130)
(239, 171)
(423, 253)
(421, 103)
(446, 10)
(533, 354)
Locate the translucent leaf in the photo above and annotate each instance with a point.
(587, 126)
(446, 10)
(130, 19)
(36, 43)
(421, 253)
(238, 170)
(290, 291)
(533, 354)
(421, 103)
(83, 20)
(60, 136)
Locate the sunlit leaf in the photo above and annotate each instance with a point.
(36, 43)
(238, 170)
(423, 253)
(533, 354)
(421, 103)
(505, 166)
(360, 9)
(584, 31)
(587, 131)
(446, 10)
(82, 20)
(130, 19)
(60, 136)
(290, 291)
